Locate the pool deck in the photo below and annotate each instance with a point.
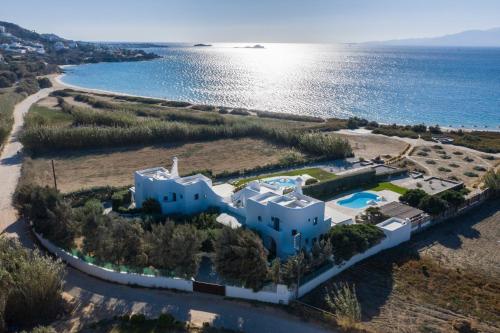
(388, 196)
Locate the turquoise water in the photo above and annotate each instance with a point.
(446, 86)
(281, 182)
(359, 200)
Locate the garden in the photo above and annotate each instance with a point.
(147, 242)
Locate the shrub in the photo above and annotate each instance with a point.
(44, 83)
(452, 197)
(471, 174)
(432, 205)
(28, 86)
(348, 240)
(121, 198)
(454, 165)
(468, 159)
(344, 302)
(151, 206)
(457, 153)
(30, 285)
(430, 162)
(443, 169)
(446, 157)
(422, 153)
(413, 197)
(311, 181)
(240, 112)
(479, 168)
(137, 319)
(492, 181)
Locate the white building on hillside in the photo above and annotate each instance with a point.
(285, 221)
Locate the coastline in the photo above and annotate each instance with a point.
(57, 78)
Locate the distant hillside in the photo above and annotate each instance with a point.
(470, 38)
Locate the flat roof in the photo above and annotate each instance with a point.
(400, 210)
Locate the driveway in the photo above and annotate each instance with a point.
(95, 299)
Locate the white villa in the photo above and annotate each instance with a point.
(285, 221)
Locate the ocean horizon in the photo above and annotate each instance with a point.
(452, 87)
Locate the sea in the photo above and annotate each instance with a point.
(452, 87)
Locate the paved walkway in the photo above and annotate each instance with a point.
(95, 299)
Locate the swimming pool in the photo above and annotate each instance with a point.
(359, 200)
(282, 182)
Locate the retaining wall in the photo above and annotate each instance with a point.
(392, 238)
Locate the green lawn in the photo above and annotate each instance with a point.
(389, 186)
(317, 173)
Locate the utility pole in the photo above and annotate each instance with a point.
(54, 174)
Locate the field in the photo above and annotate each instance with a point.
(370, 146)
(448, 162)
(115, 166)
(446, 274)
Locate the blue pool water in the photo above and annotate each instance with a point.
(358, 200)
(281, 182)
(406, 85)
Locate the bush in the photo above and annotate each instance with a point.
(329, 188)
(348, 240)
(151, 206)
(413, 197)
(479, 168)
(240, 112)
(28, 86)
(422, 153)
(432, 205)
(430, 162)
(471, 174)
(443, 169)
(44, 83)
(454, 165)
(344, 302)
(137, 319)
(468, 159)
(311, 181)
(457, 153)
(120, 199)
(30, 285)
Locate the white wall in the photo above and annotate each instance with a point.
(118, 277)
(278, 295)
(393, 238)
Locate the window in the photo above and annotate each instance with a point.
(307, 241)
(315, 221)
(165, 198)
(314, 240)
(174, 197)
(182, 196)
(196, 196)
(294, 232)
(259, 218)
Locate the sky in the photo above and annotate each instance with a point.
(310, 21)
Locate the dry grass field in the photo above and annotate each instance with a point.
(446, 274)
(370, 146)
(115, 167)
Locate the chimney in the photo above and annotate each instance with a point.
(174, 172)
(298, 185)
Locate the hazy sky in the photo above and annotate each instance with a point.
(251, 20)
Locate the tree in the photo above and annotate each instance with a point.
(185, 244)
(275, 272)
(454, 198)
(432, 205)
(240, 257)
(44, 83)
(174, 248)
(348, 240)
(291, 267)
(31, 285)
(372, 215)
(413, 197)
